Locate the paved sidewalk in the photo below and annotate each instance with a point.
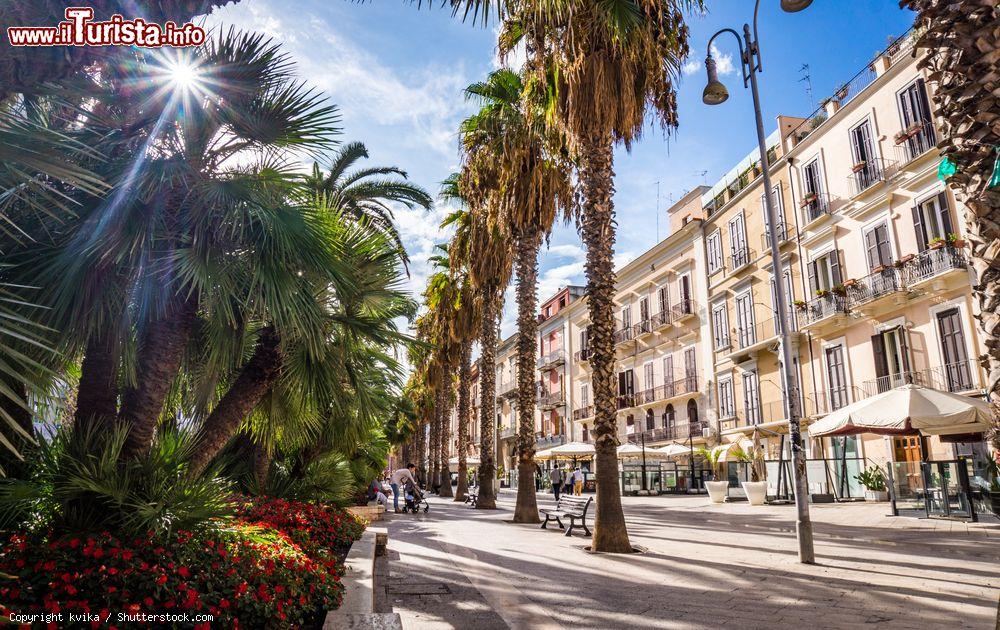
(729, 566)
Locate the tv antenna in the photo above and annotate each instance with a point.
(702, 175)
(807, 79)
(657, 211)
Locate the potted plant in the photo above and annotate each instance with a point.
(842, 92)
(873, 479)
(822, 293)
(850, 282)
(756, 488)
(839, 289)
(799, 304)
(718, 488)
(954, 240)
(879, 269)
(808, 199)
(936, 243)
(859, 166)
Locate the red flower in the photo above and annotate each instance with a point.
(161, 580)
(184, 572)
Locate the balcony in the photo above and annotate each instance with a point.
(548, 401)
(738, 260)
(506, 390)
(661, 319)
(686, 386)
(915, 141)
(581, 356)
(753, 339)
(643, 328)
(624, 335)
(692, 430)
(877, 287)
(822, 312)
(773, 411)
(583, 413)
(507, 432)
(552, 360)
(815, 206)
(960, 377)
(934, 263)
(786, 234)
(868, 173)
(543, 442)
(684, 311)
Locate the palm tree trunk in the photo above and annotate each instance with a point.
(15, 408)
(444, 396)
(526, 510)
(97, 393)
(487, 499)
(419, 449)
(464, 382)
(960, 42)
(435, 449)
(158, 363)
(598, 232)
(253, 382)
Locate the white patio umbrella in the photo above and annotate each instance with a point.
(633, 450)
(673, 449)
(567, 451)
(470, 461)
(907, 409)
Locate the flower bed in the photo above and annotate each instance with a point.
(267, 569)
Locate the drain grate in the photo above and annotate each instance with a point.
(409, 588)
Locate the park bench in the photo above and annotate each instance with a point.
(574, 508)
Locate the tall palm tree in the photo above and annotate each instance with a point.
(367, 193)
(959, 42)
(615, 62)
(483, 246)
(522, 165)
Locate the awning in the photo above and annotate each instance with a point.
(567, 451)
(908, 409)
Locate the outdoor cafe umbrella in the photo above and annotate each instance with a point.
(632, 450)
(908, 409)
(673, 449)
(572, 450)
(470, 460)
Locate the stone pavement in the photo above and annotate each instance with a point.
(728, 566)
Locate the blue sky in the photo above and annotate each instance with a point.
(397, 74)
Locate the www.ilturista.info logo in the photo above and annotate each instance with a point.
(79, 29)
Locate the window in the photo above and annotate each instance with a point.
(692, 413)
(586, 434)
(931, 219)
(835, 377)
(690, 369)
(630, 425)
(892, 359)
(779, 209)
(720, 325)
(669, 418)
(647, 376)
(915, 113)
(825, 272)
(957, 371)
(812, 185)
(650, 420)
(727, 402)
(644, 312)
(668, 375)
(738, 241)
(863, 151)
(584, 395)
(751, 397)
(714, 245)
(626, 317)
(877, 248)
(626, 389)
(663, 295)
(793, 323)
(585, 338)
(745, 320)
(686, 306)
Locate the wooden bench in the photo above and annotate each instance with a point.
(575, 508)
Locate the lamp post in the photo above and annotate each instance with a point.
(716, 93)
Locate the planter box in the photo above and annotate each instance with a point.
(357, 610)
(756, 492)
(717, 490)
(876, 496)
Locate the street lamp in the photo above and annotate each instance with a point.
(714, 94)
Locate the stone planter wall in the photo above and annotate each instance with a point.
(357, 611)
(370, 513)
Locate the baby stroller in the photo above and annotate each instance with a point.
(414, 498)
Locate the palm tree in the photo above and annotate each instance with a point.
(366, 193)
(959, 42)
(614, 62)
(482, 246)
(522, 165)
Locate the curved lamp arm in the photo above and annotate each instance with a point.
(744, 65)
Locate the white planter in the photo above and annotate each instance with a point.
(756, 492)
(717, 490)
(876, 495)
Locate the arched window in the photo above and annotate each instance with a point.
(650, 420)
(692, 412)
(586, 434)
(668, 417)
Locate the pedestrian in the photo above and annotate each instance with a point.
(556, 477)
(578, 482)
(538, 477)
(397, 480)
(568, 480)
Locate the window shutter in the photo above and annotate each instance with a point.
(871, 249)
(945, 214)
(835, 273)
(919, 228)
(621, 383)
(884, 251)
(878, 350)
(813, 278)
(904, 343)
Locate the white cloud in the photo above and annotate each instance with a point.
(724, 63)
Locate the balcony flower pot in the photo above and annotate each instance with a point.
(936, 243)
(756, 491)
(717, 490)
(808, 199)
(840, 290)
(822, 293)
(879, 269)
(799, 304)
(876, 496)
(860, 166)
(842, 92)
(850, 282)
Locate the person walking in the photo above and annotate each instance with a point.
(556, 477)
(578, 482)
(397, 479)
(568, 480)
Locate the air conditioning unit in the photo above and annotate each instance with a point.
(706, 432)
